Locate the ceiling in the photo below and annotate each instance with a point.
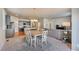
(39, 12)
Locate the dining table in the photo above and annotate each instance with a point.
(36, 32)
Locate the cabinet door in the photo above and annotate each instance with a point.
(9, 33)
(7, 19)
(59, 34)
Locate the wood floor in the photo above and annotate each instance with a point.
(19, 33)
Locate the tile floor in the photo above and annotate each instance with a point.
(18, 44)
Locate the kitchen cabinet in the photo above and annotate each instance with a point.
(9, 27)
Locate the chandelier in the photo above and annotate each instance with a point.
(34, 14)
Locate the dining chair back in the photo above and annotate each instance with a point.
(28, 35)
(31, 39)
(44, 37)
(44, 34)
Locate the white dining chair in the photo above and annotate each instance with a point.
(31, 39)
(27, 35)
(44, 37)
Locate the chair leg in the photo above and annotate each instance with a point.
(35, 43)
(42, 44)
(46, 42)
(31, 43)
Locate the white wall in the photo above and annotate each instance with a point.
(45, 23)
(2, 27)
(54, 22)
(15, 20)
(59, 21)
(41, 23)
(75, 29)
